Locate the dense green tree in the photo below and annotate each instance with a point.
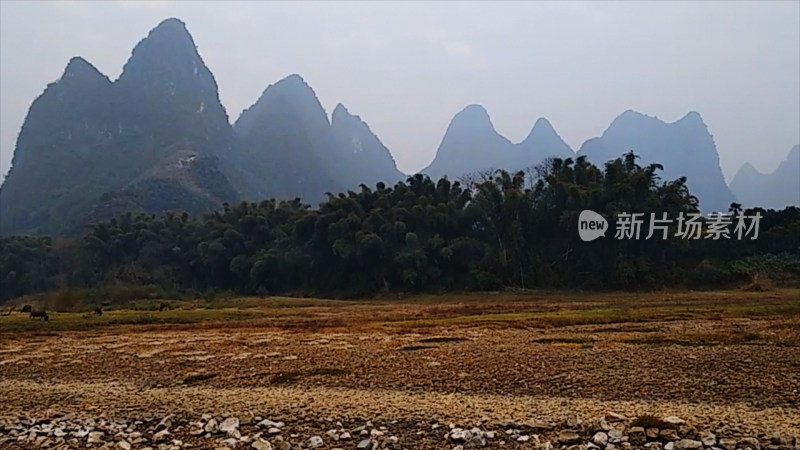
(497, 230)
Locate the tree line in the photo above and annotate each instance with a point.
(483, 232)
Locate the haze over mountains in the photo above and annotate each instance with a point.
(471, 143)
(158, 139)
(777, 189)
(684, 148)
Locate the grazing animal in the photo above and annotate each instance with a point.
(162, 306)
(98, 311)
(26, 308)
(39, 313)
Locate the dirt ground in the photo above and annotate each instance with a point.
(722, 357)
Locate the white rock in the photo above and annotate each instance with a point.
(231, 442)
(674, 420)
(459, 434)
(315, 441)
(212, 426)
(160, 436)
(688, 444)
(95, 437)
(600, 439)
(614, 417)
(708, 438)
(615, 436)
(260, 444)
(229, 425)
(266, 423)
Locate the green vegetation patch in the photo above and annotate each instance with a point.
(698, 339)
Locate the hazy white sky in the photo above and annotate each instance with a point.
(407, 68)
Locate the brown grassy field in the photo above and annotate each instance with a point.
(722, 356)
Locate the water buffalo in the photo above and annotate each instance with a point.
(39, 313)
(26, 309)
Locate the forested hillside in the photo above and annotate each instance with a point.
(507, 230)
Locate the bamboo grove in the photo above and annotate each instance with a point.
(485, 232)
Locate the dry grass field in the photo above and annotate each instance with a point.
(515, 364)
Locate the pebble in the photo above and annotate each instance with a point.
(229, 425)
(260, 444)
(366, 444)
(315, 441)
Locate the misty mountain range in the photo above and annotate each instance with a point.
(775, 190)
(158, 139)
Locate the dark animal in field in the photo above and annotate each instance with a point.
(10, 310)
(98, 311)
(105, 304)
(26, 308)
(39, 313)
(162, 306)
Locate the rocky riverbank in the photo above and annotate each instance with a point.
(611, 432)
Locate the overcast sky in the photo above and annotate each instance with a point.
(407, 68)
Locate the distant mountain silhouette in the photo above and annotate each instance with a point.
(158, 139)
(288, 136)
(64, 137)
(775, 190)
(88, 145)
(362, 158)
(472, 144)
(684, 148)
(543, 142)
